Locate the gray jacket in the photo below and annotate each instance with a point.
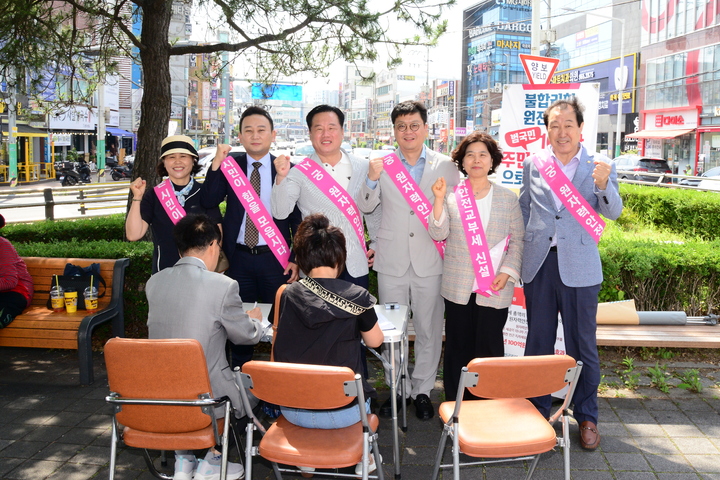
(578, 256)
(188, 301)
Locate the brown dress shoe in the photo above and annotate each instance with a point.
(589, 436)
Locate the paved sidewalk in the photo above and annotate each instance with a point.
(52, 428)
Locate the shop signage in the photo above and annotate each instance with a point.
(673, 120)
(519, 27)
(611, 79)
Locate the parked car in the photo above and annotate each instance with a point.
(714, 184)
(207, 154)
(632, 167)
(301, 152)
(378, 154)
(362, 152)
(388, 147)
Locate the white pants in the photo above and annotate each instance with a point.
(422, 295)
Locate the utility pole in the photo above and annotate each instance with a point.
(12, 129)
(100, 151)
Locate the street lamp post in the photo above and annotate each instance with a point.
(618, 146)
(621, 85)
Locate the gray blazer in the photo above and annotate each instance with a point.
(578, 256)
(402, 237)
(298, 189)
(188, 301)
(458, 275)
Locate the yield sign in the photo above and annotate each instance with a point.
(539, 70)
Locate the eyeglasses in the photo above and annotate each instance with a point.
(414, 127)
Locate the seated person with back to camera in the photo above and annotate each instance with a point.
(190, 300)
(323, 318)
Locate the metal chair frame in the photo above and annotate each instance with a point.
(352, 386)
(471, 379)
(205, 402)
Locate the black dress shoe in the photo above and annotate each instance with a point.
(423, 407)
(386, 407)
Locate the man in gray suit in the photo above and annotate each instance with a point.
(561, 265)
(407, 261)
(190, 300)
(292, 188)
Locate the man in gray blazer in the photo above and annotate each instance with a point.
(561, 264)
(190, 300)
(292, 188)
(407, 261)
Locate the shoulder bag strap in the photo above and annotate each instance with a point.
(276, 318)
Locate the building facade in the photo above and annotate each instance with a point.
(680, 108)
(495, 33)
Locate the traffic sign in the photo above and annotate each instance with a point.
(539, 70)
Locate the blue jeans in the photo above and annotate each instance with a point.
(324, 419)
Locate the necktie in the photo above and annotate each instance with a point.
(251, 232)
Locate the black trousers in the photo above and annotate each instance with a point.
(547, 295)
(11, 305)
(258, 277)
(471, 331)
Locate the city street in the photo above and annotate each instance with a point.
(67, 201)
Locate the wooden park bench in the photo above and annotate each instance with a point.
(40, 327)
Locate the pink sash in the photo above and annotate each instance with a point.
(411, 192)
(337, 195)
(168, 200)
(255, 209)
(475, 237)
(569, 196)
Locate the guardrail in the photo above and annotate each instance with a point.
(32, 204)
(660, 182)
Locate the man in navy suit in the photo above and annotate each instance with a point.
(257, 271)
(561, 264)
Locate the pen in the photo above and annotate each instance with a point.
(255, 306)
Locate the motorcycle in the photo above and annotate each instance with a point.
(70, 174)
(119, 172)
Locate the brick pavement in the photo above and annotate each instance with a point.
(52, 428)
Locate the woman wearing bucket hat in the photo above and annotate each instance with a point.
(178, 162)
(16, 284)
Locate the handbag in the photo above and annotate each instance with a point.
(223, 262)
(78, 279)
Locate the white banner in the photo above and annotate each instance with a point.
(516, 328)
(522, 130)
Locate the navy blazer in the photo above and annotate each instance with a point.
(216, 189)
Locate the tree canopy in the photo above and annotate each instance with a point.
(280, 38)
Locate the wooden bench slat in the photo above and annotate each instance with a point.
(70, 344)
(680, 336)
(46, 324)
(44, 334)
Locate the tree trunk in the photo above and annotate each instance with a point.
(157, 98)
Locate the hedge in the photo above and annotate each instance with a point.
(671, 276)
(111, 227)
(689, 212)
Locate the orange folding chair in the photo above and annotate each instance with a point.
(313, 387)
(161, 394)
(506, 427)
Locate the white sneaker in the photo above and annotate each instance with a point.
(371, 466)
(185, 466)
(307, 472)
(209, 468)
